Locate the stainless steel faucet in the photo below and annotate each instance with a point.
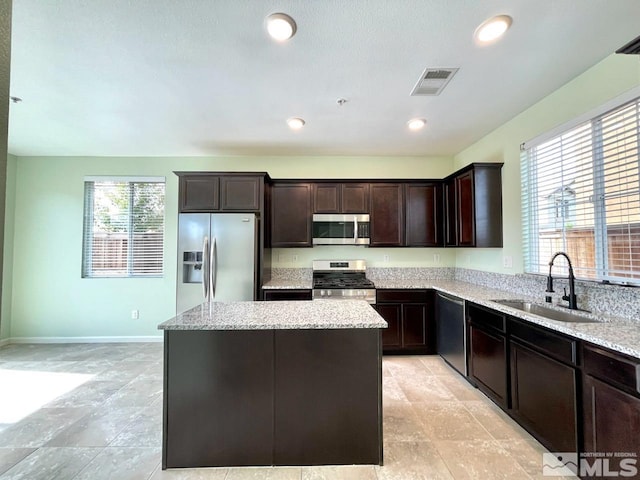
(571, 298)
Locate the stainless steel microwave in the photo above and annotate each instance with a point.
(341, 229)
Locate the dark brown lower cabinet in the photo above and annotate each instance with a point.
(488, 366)
(488, 363)
(272, 397)
(543, 398)
(411, 320)
(611, 405)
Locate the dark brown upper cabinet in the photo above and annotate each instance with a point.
(341, 197)
(387, 214)
(423, 210)
(473, 206)
(221, 192)
(291, 214)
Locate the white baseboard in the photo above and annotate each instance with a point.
(4, 341)
(137, 339)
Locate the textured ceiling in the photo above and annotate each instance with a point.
(198, 77)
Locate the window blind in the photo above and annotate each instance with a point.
(123, 227)
(581, 195)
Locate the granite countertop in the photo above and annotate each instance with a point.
(617, 333)
(316, 314)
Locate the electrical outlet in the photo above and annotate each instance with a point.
(386, 258)
(436, 258)
(507, 261)
(295, 258)
(135, 314)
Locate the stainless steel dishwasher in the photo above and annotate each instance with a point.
(451, 331)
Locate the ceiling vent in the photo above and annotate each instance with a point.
(433, 80)
(631, 48)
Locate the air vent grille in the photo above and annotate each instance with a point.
(631, 48)
(433, 80)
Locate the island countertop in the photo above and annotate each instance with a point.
(287, 315)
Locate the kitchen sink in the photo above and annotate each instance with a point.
(550, 313)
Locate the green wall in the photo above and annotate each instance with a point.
(49, 297)
(603, 82)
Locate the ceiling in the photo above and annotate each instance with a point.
(201, 77)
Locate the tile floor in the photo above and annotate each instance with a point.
(93, 411)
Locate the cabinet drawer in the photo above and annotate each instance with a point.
(287, 294)
(486, 318)
(401, 296)
(553, 344)
(612, 368)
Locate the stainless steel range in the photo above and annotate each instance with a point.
(342, 280)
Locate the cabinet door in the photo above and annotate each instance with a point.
(543, 398)
(387, 218)
(465, 210)
(611, 418)
(355, 198)
(423, 205)
(199, 193)
(241, 194)
(291, 215)
(451, 221)
(488, 363)
(326, 198)
(391, 336)
(415, 326)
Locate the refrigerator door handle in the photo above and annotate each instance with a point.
(205, 268)
(213, 267)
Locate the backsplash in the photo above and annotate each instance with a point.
(615, 300)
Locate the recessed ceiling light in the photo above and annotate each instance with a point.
(295, 123)
(492, 29)
(416, 123)
(281, 26)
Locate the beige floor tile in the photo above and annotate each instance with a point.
(264, 473)
(479, 459)
(400, 423)
(190, 474)
(347, 472)
(494, 420)
(412, 461)
(528, 453)
(10, 456)
(391, 391)
(424, 388)
(403, 366)
(460, 388)
(437, 366)
(449, 421)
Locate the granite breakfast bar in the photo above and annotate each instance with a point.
(273, 383)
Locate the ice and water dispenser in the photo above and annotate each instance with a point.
(192, 267)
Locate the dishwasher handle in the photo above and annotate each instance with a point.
(455, 300)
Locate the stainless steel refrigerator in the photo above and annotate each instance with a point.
(216, 258)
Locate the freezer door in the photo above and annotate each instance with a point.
(233, 261)
(194, 232)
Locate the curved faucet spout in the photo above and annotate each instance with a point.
(571, 298)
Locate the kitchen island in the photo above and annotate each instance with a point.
(273, 383)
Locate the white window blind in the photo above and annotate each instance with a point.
(123, 227)
(581, 195)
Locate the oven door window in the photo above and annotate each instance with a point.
(333, 229)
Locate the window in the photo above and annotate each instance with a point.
(123, 227)
(581, 195)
